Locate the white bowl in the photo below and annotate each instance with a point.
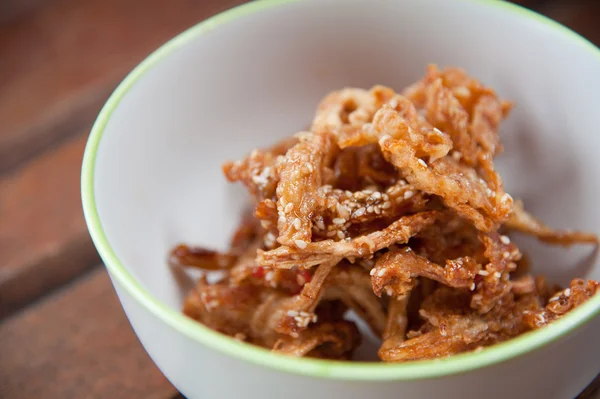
(152, 177)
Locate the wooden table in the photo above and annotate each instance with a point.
(62, 331)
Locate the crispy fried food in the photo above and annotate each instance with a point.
(202, 258)
(462, 188)
(562, 302)
(395, 329)
(326, 341)
(389, 207)
(297, 191)
(524, 222)
(397, 270)
(258, 172)
(399, 232)
(352, 286)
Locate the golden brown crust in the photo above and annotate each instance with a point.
(389, 206)
(524, 222)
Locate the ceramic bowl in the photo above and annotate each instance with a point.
(152, 177)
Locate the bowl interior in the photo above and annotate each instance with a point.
(227, 89)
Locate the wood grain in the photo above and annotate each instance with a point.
(579, 15)
(44, 241)
(60, 60)
(77, 344)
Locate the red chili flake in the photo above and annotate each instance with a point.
(478, 278)
(258, 272)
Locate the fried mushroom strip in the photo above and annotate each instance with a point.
(352, 285)
(459, 186)
(295, 313)
(524, 222)
(334, 340)
(562, 302)
(297, 190)
(258, 171)
(201, 258)
(395, 330)
(494, 284)
(396, 272)
(343, 111)
(398, 232)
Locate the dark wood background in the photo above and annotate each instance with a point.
(62, 331)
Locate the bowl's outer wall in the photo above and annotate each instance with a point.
(257, 78)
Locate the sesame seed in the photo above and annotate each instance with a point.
(265, 224)
(270, 204)
(297, 223)
(342, 210)
(436, 130)
(372, 272)
(359, 212)
(292, 313)
(288, 208)
(320, 225)
(505, 254)
(239, 336)
(505, 240)
(381, 272)
(457, 155)
(497, 274)
(483, 272)
(341, 235)
(377, 210)
(506, 198)
(393, 102)
(462, 91)
(370, 209)
(309, 167)
(389, 291)
(568, 292)
(377, 195)
(386, 205)
(270, 275)
(408, 194)
(300, 244)
(472, 287)
(269, 239)
(339, 221)
(281, 219)
(423, 163)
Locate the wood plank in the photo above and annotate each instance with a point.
(592, 391)
(579, 15)
(43, 238)
(77, 344)
(60, 59)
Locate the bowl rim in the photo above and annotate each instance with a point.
(356, 371)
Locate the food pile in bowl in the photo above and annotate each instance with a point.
(389, 206)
